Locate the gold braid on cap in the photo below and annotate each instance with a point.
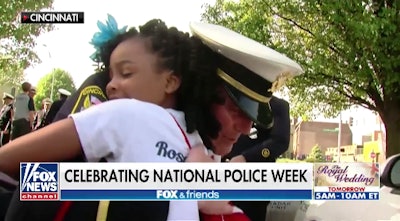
(247, 91)
(280, 81)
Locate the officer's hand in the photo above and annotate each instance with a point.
(215, 207)
(198, 153)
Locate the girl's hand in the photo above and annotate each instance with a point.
(197, 154)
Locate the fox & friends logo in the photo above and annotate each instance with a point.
(39, 181)
(52, 17)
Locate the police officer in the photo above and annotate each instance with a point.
(6, 116)
(55, 107)
(269, 144)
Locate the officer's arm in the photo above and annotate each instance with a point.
(278, 141)
(52, 143)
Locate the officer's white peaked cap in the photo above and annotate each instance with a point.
(7, 95)
(64, 92)
(251, 71)
(258, 58)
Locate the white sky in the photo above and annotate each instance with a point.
(69, 46)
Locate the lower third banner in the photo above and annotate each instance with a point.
(185, 194)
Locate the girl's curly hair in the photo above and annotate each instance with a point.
(188, 58)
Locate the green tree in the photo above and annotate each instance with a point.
(17, 40)
(316, 155)
(62, 79)
(12, 74)
(348, 49)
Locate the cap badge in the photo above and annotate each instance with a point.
(280, 81)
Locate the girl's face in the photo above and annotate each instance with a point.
(233, 123)
(135, 73)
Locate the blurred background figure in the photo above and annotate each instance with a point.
(55, 107)
(6, 116)
(24, 111)
(32, 92)
(41, 115)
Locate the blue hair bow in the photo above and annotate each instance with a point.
(107, 32)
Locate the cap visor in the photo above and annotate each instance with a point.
(259, 113)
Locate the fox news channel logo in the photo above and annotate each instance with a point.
(52, 17)
(39, 181)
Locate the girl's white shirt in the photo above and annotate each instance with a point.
(129, 130)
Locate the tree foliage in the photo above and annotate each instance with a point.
(12, 74)
(17, 40)
(350, 51)
(316, 155)
(62, 79)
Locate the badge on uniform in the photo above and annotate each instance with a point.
(265, 152)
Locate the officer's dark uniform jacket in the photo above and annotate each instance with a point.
(5, 119)
(268, 146)
(86, 211)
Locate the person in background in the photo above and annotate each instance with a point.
(41, 115)
(6, 116)
(55, 107)
(32, 93)
(24, 112)
(269, 144)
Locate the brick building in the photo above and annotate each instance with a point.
(307, 134)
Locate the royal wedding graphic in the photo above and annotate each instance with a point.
(346, 181)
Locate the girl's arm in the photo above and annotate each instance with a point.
(56, 142)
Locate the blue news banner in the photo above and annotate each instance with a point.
(41, 181)
(185, 194)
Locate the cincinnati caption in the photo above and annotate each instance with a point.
(188, 175)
